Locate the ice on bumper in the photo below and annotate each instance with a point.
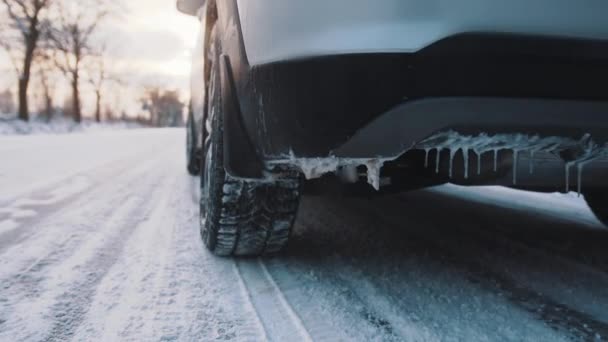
(316, 167)
(575, 153)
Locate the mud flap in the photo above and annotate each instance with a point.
(240, 157)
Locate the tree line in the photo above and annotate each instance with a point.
(46, 37)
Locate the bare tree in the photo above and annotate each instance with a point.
(20, 37)
(71, 38)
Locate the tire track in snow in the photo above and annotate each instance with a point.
(575, 246)
(41, 162)
(553, 275)
(587, 255)
(531, 254)
(44, 188)
(167, 286)
(42, 236)
(576, 238)
(292, 314)
(278, 318)
(419, 283)
(582, 316)
(249, 308)
(149, 279)
(73, 304)
(24, 226)
(36, 285)
(447, 247)
(376, 308)
(337, 304)
(582, 242)
(578, 325)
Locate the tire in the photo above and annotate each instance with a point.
(241, 217)
(193, 162)
(598, 202)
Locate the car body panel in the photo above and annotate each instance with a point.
(276, 30)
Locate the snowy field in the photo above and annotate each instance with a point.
(99, 242)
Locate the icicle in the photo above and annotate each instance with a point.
(426, 157)
(568, 165)
(478, 154)
(465, 154)
(452, 154)
(515, 158)
(579, 177)
(438, 159)
(373, 172)
(585, 150)
(531, 162)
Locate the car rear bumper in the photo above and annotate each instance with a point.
(370, 105)
(403, 127)
(373, 108)
(393, 146)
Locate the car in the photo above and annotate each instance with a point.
(363, 97)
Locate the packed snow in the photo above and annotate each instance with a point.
(99, 241)
(14, 126)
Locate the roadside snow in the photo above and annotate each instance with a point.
(58, 126)
(30, 162)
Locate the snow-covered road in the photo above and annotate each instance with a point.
(99, 242)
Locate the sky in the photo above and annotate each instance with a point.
(155, 40)
(150, 43)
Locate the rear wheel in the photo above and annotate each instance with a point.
(598, 202)
(240, 217)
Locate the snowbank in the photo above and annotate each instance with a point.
(58, 126)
